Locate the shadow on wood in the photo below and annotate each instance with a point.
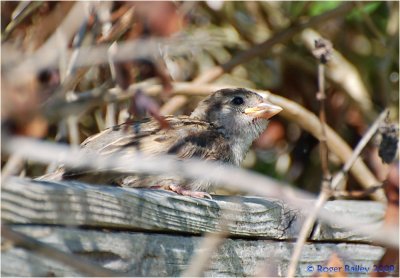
(144, 232)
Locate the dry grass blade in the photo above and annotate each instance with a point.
(26, 11)
(48, 53)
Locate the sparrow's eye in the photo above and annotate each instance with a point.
(237, 101)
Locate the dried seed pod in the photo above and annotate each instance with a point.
(390, 139)
(323, 50)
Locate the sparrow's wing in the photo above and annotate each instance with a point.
(185, 138)
(205, 144)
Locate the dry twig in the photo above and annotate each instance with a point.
(323, 52)
(345, 75)
(305, 231)
(326, 193)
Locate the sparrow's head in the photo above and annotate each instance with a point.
(238, 113)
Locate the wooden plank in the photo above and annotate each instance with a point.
(366, 212)
(74, 203)
(140, 254)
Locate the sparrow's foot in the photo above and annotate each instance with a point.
(185, 192)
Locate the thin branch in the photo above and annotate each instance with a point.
(323, 52)
(305, 232)
(322, 117)
(200, 261)
(326, 193)
(111, 108)
(61, 136)
(99, 120)
(111, 111)
(14, 166)
(221, 175)
(81, 264)
(354, 194)
(73, 130)
(69, 82)
(344, 75)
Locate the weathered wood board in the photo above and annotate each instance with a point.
(366, 212)
(140, 254)
(73, 203)
(154, 233)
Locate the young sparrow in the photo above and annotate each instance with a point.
(221, 128)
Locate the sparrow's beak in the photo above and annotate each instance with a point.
(263, 110)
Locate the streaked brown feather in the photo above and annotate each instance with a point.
(186, 138)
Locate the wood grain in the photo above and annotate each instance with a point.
(143, 232)
(152, 254)
(27, 201)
